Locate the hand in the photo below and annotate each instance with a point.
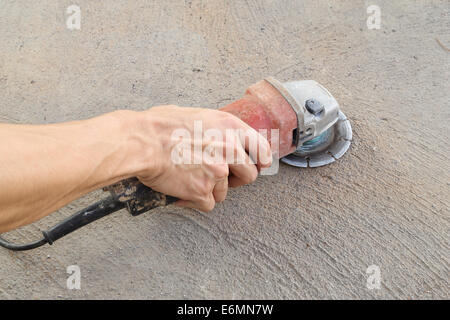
(211, 164)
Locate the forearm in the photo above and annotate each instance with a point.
(44, 167)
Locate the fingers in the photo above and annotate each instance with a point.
(205, 205)
(242, 174)
(258, 148)
(223, 162)
(256, 145)
(220, 190)
(243, 170)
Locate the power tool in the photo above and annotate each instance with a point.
(312, 132)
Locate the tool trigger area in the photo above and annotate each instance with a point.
(137, 197)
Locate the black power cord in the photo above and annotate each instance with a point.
(129, 193)
(81, 218)
(21, 247)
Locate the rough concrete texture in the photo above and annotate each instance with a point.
(304, 233)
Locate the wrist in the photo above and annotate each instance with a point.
(140, 143)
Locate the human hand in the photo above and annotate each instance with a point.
(226, 152)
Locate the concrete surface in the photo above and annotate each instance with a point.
(300, 234)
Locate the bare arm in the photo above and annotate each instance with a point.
(44, 167)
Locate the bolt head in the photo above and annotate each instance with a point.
(314, 106)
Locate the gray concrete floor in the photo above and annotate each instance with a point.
(304, 233)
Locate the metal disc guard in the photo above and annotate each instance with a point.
(325, 149)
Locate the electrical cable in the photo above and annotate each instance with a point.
(21, 247)
(77, 220)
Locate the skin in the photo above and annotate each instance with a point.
(44, 167)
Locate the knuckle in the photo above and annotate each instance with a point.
(252, 175)
(224, 115)
(231, 121)
(222, 199)
(221, 171)
(205, 189)
(209, 206)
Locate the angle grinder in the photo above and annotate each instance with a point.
(312, 132)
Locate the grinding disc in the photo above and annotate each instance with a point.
(324, 149)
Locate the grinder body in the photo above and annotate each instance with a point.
(264, 108)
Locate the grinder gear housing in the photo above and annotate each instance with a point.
(312, 130)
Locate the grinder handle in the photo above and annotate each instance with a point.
(137, 197)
